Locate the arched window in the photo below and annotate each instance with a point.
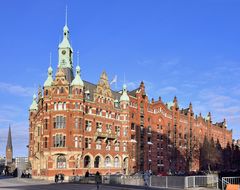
(97, 162)
(117, 145)
(64, 106)
(99, 144)
(107, 162)
(55, 106)
(76, 91)
(61, 161)
(60, 107)
(45, 142)
(87, 161)
(125, 162)
(116, 162)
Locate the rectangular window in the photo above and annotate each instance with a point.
(76, 105)
(59, 140)
(60, 122)
(124, 147)
(88, 126)
(117, 130)
(99, 145)
(108, 145)
(125, 132)
(109, 128)
(88, 143)
(76, 142)
(76, 123)
(132, 137)
(117, 146)
(80, 123)
(132, 126)
(46, 124)
(38, 131)
(45, 142)
(99, 127)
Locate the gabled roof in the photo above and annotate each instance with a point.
(185, 111)
(220, 124)
(92, 88)
(133, 92)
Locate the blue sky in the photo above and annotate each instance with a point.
(190, 49)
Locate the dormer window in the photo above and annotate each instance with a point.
(87, 94)
(61, 90)
(116, 104)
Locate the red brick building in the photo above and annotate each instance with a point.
(77, 126)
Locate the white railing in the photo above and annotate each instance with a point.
(184, 181)
(178, 182)
(201, 181)
(229, 180)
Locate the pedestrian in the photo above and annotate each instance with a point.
(98, 179)
(87, 174)
(146, 177)
(56, 178)
(62, 178)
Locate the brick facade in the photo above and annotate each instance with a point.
(75, 128)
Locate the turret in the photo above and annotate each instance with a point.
(48, 82)
(124, 97)
(77, 80)
(208, 118)
(34, 105)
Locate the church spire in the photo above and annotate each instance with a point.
(9, 140)
(9, 148)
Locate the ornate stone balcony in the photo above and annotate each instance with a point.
(105, 135)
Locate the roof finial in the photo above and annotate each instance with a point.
(78, 57)
(50, 59)
(66, 16)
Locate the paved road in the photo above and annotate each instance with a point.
(29, 184)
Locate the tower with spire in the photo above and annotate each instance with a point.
(9, 148)
(65, 53)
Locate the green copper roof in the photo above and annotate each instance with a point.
(170, 104)
(77, 80)
(65, 41)
(34, 105)
(124, 96)
(49, 80)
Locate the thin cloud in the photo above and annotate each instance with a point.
(16, 90)
(168, 90)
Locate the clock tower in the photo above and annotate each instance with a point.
(65, 51)
(65, 54)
